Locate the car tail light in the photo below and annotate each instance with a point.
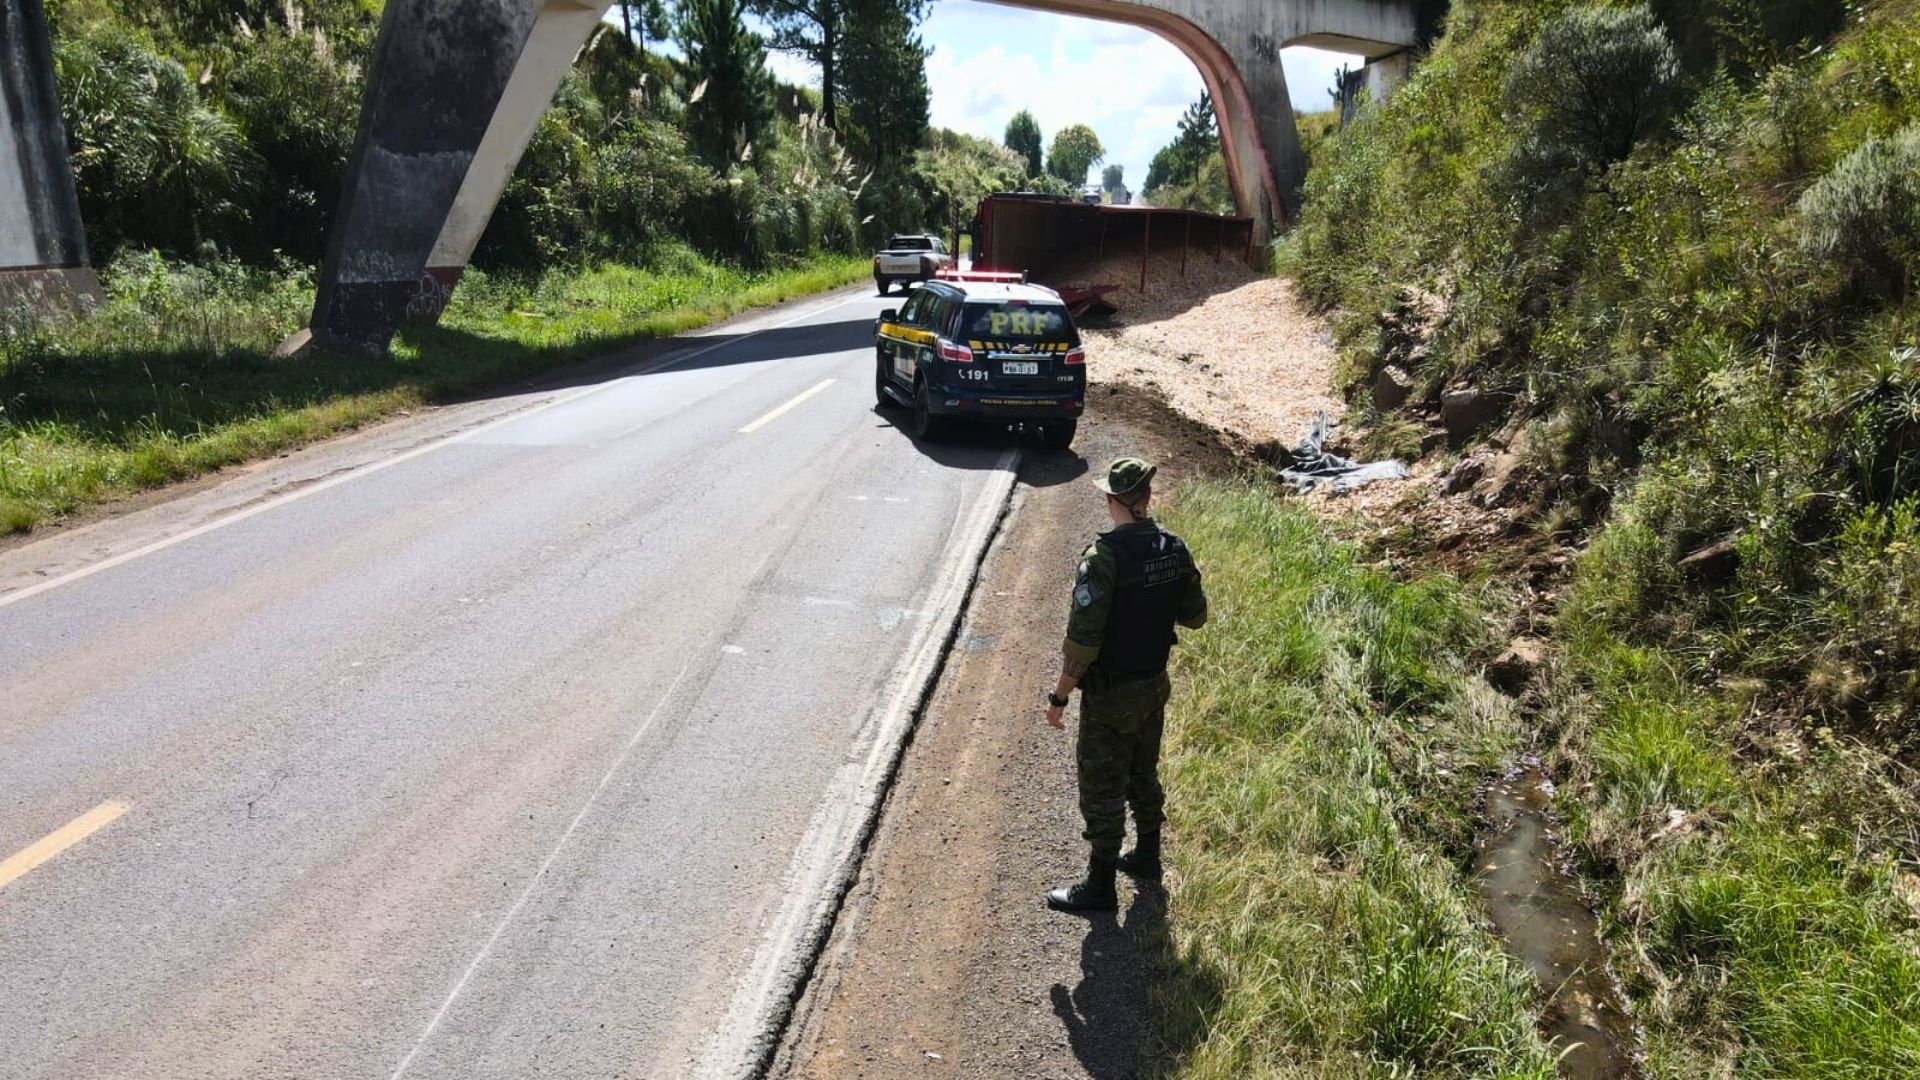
(1076, 355)
(959, 354)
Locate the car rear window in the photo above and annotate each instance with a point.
(910, 243)
(1017, 319)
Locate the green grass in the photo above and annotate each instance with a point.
(1758, 878)
(173, 378)
(1324, 753)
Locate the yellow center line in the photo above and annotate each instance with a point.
(781, 411)
(59, 840)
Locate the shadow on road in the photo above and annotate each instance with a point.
(119, 395)
(1140, 1008)
(977, 446)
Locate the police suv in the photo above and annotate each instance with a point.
(999, 351)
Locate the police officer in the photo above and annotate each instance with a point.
(1134, 584)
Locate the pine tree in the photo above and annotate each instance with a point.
(1024, 138)
(819, 29)
(883, 84)
(1198, 139)
(731, 104)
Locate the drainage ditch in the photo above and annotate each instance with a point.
(1538, 909)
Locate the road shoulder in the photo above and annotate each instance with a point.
(944, 960)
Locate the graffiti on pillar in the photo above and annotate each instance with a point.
(430, 298)
(1266, 48)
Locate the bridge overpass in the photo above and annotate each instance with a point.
(456, 88)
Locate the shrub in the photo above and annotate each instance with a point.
(1867, 207)
(299, 105)
(1591, 85)
(155, 165)
(644, 178)
(1874, 576)
(545, 214)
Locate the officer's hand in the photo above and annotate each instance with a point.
(1056, 717)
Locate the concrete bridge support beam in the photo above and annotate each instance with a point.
(454, 93)
(43, 250)
(1385, 74)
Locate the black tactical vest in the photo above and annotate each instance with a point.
(1151, 567)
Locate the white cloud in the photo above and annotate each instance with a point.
(793, 68)
(1125, 83)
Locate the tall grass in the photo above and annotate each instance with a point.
(1323, 758)
(1758, 881)
(173, 377)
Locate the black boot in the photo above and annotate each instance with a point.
(1094, 894)
(1144, 860)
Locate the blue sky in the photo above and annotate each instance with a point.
(990, 61)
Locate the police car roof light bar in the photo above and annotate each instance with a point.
(1003, 277)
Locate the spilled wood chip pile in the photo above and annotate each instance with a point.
(1230, 348)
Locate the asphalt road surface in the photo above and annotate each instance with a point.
(528, 751)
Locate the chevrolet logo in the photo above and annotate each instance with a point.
(1023, 348)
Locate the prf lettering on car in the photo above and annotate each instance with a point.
(1011, 322)
(1015, 320)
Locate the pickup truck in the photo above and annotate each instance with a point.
(909, 258)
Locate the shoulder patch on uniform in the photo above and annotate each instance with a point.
(1083, 595)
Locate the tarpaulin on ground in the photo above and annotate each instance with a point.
(1315, 469)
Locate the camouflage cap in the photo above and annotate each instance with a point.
(1126, 475)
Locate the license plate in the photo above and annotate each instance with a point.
(1020, 367)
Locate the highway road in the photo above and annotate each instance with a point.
(524, 745)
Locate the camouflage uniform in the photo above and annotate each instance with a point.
(1122, 706)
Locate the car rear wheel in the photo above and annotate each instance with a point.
(926, 426)
(1059, 434)
(881, 284)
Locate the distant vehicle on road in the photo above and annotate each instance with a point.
(909, 258)
(991, 350)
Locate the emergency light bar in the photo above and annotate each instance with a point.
(1002, 277)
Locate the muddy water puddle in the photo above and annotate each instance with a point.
(1537, 907)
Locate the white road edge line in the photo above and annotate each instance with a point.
(828, 857)
(784, 409)
(533, 883)
(382, 465)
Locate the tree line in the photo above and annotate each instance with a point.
(1190, 172)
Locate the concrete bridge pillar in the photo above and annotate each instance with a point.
(453, 95)
(43, 250)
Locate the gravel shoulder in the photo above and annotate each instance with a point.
(945, 960)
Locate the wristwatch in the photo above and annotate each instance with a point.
(1056, 700)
